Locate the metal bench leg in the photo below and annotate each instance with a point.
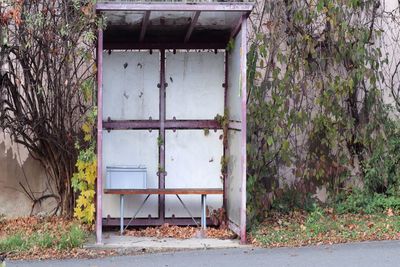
(121, 212)
(203, 212)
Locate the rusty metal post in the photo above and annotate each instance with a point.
(225, 133)
(161, 148)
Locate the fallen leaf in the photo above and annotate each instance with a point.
(390, 212)
(352, 226)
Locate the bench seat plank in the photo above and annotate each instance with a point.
(166, 191)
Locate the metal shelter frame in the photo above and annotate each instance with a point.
(140, 41)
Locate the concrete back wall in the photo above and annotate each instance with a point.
(14, 162)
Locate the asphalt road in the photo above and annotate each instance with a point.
(380, 254)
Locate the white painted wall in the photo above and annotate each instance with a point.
(195, 82)
(234, 179)
(192, 161)
(234, 83)
(193, 158)
(130, 85)
(131, 148)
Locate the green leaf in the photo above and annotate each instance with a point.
(285, 145)
(270, 141)
(320, 5)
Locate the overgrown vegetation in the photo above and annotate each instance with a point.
(73, 238)
(363, 203)
(325, 227)
(46, 85)
(31, 234)
(317, 111)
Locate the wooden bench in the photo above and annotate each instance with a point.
(167, 191)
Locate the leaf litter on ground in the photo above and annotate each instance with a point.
(299, 228)
(40, 238)
(180, 232)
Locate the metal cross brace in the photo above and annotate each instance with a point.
(134, 216)
(188, 211)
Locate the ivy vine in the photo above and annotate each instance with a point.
(315, 104)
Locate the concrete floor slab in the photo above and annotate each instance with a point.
(115, 241)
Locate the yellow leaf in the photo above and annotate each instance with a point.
(89, 193)
(86, 128)
(81, 201)
(78, 213)
(87, 137)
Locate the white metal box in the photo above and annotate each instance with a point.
(126, 177)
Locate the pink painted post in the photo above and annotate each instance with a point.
(243, 66)
(99, 192)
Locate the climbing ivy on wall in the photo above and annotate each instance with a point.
(315, 104)
(84, 180)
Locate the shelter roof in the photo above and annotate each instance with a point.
(136, 25)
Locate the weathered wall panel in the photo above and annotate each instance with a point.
(131, 148)
(234, 80)
(195, 82)
(130, 85)
(234, 179)
(193, 161)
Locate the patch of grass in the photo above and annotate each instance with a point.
(360, 202)
(61, 239)
(325, 227)
(74, 238)
(45, 240)
(313, 223)
(38, 238)
(14, 242)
